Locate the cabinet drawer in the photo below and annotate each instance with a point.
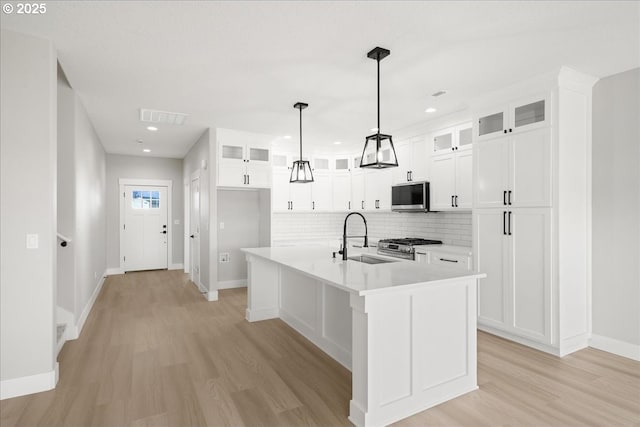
(456, 260)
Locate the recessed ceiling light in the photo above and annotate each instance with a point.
(146, 150)
(152, 128)
(430, 110)
(337, 143)
(287, 137)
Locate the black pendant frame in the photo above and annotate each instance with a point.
(379, 152)
(301, 172)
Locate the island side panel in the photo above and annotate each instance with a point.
(263, 285)
(413, 349)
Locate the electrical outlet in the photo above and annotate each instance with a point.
(224, 257)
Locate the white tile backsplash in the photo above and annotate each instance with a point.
(453, 228)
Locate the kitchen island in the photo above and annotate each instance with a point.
(407, 331)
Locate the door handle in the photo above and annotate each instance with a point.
(509, 197)
(504, 223)
(509, 223)
(192, 236)
(504, 197)
(456, 201)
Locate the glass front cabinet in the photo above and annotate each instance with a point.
(525, 114)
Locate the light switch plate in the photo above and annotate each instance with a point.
(32, 241)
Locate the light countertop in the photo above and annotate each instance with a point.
(358, 277)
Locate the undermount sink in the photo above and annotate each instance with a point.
(370, 259)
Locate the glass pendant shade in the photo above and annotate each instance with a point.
(378, 152)
(378, 148)
(301, 172)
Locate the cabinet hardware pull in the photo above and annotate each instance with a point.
(504, 197)
(411, 175)
(452, 202)
(292, 205)
(349, 204)
(362, 204)
(313, 205)
(504, 223)
(510, 130)
(456, 201)
(509, 223)
(505, 131)
(509, 197)
(408, 179)
(448, 260)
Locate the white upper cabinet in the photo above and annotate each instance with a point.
(341, 192)
(524, 114)
(321, 191)
(514, 170)
(412, 161)
(244, 159)
(377, 185)
(357, 190)
(455, 138)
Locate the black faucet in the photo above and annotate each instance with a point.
(343, 251)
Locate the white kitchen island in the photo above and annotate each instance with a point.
(406, 330)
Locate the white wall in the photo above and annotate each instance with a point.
(453, 228)
(66, 197)
(142, 167)
(89, 239)
(27, 206)
(204, 150)
(616, 208)
(245, 216)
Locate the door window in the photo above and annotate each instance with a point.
(145, 199)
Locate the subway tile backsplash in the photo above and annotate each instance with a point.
(453, 228)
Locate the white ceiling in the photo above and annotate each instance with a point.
(242, 65)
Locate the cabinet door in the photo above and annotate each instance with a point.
(529, 113)
(231, 153)
(419, 160)
(300, 194)
(280, 190)
(464, 179)
(530, 273)
(258, 175)
(341, 164)
(442, 185)
(258, 155)
(491, 123)
(464, 137)
(231, 174)
(443, 142)
(491, 161)
(378, 189)
(530, 169)
(321, 192)
(490, 249)
(357, 190)
(404, 153)
(341, 192)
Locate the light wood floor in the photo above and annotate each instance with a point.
(155, 353)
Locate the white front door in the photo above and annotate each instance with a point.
(145, 228)
(194, 231)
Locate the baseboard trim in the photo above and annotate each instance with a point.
(176, 267)
(30, 384)
(212, 296)
(114, 271)
(231, 284)
(262, 314)
(617, 347)
(89, 306)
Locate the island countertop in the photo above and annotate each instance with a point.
(358, 277)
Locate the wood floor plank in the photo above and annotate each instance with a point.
(154, 352)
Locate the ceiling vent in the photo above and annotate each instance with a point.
(439, 93)
(155, 116)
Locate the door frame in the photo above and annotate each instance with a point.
(187, 247)
(150, 183)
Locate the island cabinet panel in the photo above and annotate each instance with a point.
(262, 303)
(298, 300)
(336, 318)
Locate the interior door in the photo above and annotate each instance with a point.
(194, 231)
(145, 228)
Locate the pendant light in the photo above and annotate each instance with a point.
(301, 170)
(378, 150)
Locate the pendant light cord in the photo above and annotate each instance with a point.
(378, 61)
(300, 133)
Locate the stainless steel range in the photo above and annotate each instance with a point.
(403, 248)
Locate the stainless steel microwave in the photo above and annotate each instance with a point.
(410, 197)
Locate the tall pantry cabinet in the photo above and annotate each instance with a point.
(532, 211)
